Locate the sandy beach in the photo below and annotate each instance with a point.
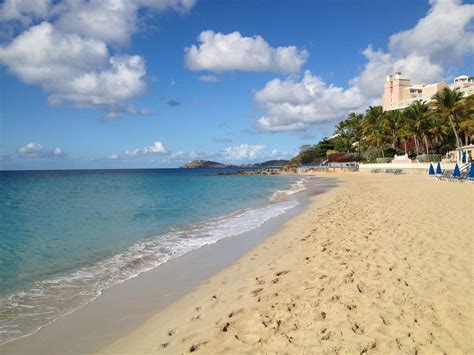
(380, 264)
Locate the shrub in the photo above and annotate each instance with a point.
(389, 152)
(426, 158)
(343, 157)
(383, 160)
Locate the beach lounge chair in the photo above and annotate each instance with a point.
(431, 171)
(456, 172)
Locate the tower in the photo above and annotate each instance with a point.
(394, 91)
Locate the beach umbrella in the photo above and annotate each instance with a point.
(456, 172)
(431, 172)
(471, 172)
(438, 169)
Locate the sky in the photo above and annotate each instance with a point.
(88, 84)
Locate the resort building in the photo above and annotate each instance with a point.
(400, 93)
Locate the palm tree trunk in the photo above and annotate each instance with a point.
(458, 142)
(416, 145)
(405, 144)
(426, 144)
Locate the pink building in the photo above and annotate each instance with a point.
(400, 93)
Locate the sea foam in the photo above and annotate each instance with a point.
(25, 312)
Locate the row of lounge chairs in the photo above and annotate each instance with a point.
(387, 171)
(463, 174)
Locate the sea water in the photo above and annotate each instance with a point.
(66, 236)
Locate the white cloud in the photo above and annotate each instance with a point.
(42, 55)
(24, 10)
(291, 105)
(156, 148)
(36, 150)
(111, 21)
(218, 52)
(422, 54)
(122, 79)
(442, 36)
(242, 152)
(68, 54)
(238, 154)
(74, 70)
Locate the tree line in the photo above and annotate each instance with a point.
(434, 128)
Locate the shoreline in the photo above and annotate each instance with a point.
(386, 268)
(134, 300)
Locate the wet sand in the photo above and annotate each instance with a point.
(380, 264)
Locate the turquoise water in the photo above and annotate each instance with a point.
(65, 236)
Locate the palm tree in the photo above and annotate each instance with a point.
(404, 132)
(438, 131)
(354, 129)
(419, 115)
(394, 122)
(374, 129)
(466, 124)
(447, 103)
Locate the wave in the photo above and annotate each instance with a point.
(297, 186)
(26, 312)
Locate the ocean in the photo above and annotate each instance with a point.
(66, 236)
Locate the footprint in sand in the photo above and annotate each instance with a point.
(195, 347)
(234, 313)
(356, 329)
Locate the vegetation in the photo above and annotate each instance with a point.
(423, 130)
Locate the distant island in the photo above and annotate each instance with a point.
(208, 164)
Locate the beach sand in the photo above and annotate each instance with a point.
(381, 264)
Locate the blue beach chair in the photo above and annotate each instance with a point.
(456, 172)
(431, 171)
(470, 176)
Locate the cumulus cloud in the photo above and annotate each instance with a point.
(242, 152)
(72, 69)
(291, 105)
(24, 11)
(36, 150)
(218, 52)
(156, 148)
(238, 154)
(423, 54)
(442, 36)
(68, 53)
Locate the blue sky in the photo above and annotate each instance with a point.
(156, 83)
